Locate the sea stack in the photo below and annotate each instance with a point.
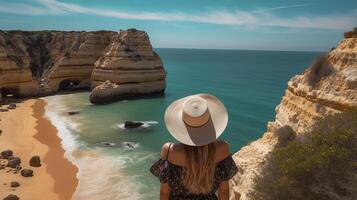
(128, 69)
(115, 65)
(327, 87)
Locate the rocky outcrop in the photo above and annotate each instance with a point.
(41, 62)
(27, 172)
(15, 60)
(11, 197)
(128, 68)
(328, 86)
(75, 65)
(35, 161)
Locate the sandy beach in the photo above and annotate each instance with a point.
(27, 133)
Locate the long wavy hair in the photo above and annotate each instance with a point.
(200, 166)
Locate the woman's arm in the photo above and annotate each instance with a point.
(165, 191)
(223, 191)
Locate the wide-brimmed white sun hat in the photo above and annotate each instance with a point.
(196, 120)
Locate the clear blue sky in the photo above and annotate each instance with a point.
(306, 25)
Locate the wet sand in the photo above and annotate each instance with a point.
(27, 132)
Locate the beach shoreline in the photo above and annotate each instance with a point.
(27, 132)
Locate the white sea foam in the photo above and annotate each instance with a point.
(100, 178)
(99, 173)
(126, 145)
(64, 126)
(130, 145)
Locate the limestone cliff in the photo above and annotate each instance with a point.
(76, 53)
(15, 65)
(129, 67)
(328, 86)
(41, 62)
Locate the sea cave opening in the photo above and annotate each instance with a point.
(70, 85)
(7, 93)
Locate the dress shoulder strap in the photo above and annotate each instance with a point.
(168, 151)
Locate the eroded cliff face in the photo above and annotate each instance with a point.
(15, 65)
(75, 55)
(42, 62)
(328, 86)
(129, 67)
(39, 62)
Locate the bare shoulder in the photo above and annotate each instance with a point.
(174, 149)
(165, 149)
(222, 150)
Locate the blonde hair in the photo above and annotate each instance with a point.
(198, 172)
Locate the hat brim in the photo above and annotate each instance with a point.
(197, 136)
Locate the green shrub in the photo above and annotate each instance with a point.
(322, 163)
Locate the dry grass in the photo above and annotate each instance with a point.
(319, 69)
(323, 166)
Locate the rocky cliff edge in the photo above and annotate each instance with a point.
(326, 87)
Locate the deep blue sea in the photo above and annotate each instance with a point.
(249, 83)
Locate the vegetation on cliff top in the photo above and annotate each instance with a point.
(319, 165)
(319, 69)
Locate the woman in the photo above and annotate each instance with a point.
(200, 165)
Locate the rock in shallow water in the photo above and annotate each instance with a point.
(74, 112)
(132, 124)
(130, 145)
(108, 144)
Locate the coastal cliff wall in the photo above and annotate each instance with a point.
(42, 62)
(76, 54)
(129, 67)
(328, 86)
(15, 65)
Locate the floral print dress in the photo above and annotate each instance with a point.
(170, 173)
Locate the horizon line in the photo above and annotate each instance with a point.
(232, 49)
(198, 48)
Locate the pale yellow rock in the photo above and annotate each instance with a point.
(109, 91)
(36, 62)
(43, 62)
(131, 65)
(316, 93)
(84, 49)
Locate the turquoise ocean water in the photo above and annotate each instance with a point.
(250, 84)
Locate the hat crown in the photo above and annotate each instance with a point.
(195, 107)
(196, 120)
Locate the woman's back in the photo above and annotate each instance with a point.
(200, 164)
(177, 154)
(171, 167)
